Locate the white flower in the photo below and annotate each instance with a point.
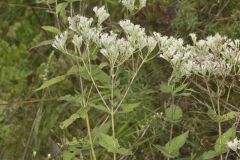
(92, 34)
(109, 47)
(101, 14)
(233, 145)
(77, 41)
(135, 34)
(60, 41)
(129, 4)
(142, 3)
(194, 37)
(151, 43)
(114, 49)
(79, 23)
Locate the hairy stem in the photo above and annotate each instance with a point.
(90, 137)
(129, 86)
(219, 114)
(112, 104)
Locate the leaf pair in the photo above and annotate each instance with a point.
(220, 146)
(173, 114)
(96, 72)
(170, 89)
(171, 149)
(226, 117)
(111, 144)
(81, 113)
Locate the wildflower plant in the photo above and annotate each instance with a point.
(87, 36)
(214, 60)
(100, 55)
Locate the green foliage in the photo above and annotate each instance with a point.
(81, 113)
(55, 120)
(220, 146)
(173, 114)
(51, 29)
(111, 144)
(171, 149)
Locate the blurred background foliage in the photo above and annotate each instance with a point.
(29, 121)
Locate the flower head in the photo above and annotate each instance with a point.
(80, 23)
(101, 14)
(129, 4)
(234, 144)
(77, 41)
(60, 41)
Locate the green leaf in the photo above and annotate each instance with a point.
(220, 146)
(221, 143)
(210, 154)
(212, 114)
(73, 99)
(73, 70)
(171, 149)
(43, 43)
(180, 88)
(111, 144)
(51, 82)
(71, 153)
(51, 29)
(126, 108)
(81, 113)
(61, 6)
(104, 128)
(173, 114)
(230, 115)
(165, 88)
(185, 94)
(164, 152)
(100, 107)
(96, 72)
(51, 1)
(93, 53)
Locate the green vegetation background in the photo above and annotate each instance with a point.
(24, 63)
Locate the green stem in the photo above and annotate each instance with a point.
(95, 85)
(113, 132)
(171, 127)
(219, 114)
(90, 138)
(210, 94)
(112, 104)
(130, 84)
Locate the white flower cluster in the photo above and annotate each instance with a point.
(115, 48)
(101, 14)
(130, 4)
(60, 41)
(216, 55)
(234, 144)
(137, 36)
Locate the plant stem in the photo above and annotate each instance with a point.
(87, 118)
(171, 134)
(130, 84)
(95, 85)
(90, 137)
(113, 132)
(219, 114)
(112, 104)
(210, 94)
(171, 127)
